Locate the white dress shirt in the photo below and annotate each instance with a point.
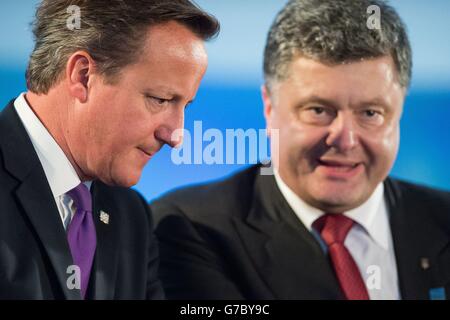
(60, 173)
(369, 240)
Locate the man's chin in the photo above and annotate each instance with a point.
(336, 200)
(336, 205)
(122, 180)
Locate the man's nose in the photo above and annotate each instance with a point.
(342, 134)
(171, 130)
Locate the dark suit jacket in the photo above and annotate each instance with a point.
(239, 239)
(34, 252)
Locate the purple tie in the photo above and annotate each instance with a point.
(81, 234)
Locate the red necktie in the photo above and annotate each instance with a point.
(333, 229)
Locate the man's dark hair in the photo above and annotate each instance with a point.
(333, 32)
(111, 31)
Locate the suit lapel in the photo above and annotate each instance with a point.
(288, 257)
(418, 242)
(106, 219)
(35, 197)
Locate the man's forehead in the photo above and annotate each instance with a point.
(170, 33)
(371, 81)
(381, 64)
(366, 74)
(167, 45)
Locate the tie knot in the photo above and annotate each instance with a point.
(333, 227)
(82, 197)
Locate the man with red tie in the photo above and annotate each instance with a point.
(108, 82)
(329, 223)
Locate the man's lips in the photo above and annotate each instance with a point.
(338, 163)
(147, 153)
(339, 168)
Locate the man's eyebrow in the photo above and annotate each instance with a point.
(163, 90)
(378, 101)
(318, 100)
(159, 88)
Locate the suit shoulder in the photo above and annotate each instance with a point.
(425, 194)
(224, 197)
(425, 200)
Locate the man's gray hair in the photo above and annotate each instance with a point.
(111, 31)
(334, 32)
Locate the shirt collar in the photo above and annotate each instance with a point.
(60, 173)
(371, 215)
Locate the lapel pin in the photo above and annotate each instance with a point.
(104, 217)
(437, 294)
(424, 263)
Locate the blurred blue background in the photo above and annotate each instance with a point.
(229, 96)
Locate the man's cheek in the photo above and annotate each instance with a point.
(389, 147)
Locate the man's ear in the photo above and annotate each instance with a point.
(267, 108)
(79, 68)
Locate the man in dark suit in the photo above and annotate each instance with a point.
(108, 82)
(329, 223)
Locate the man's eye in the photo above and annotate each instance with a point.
(160, 101)
(316, 115)
(156, 100)
(370, 113)
(318, 110)
(372, 117)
